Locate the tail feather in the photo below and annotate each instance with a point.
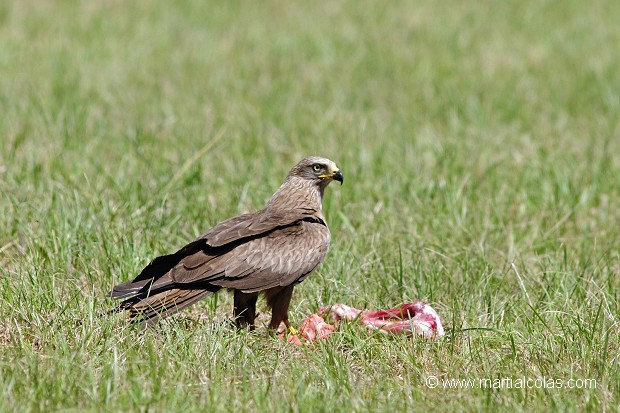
(150, 309)
(153, 294)
(141, 288)
(128, 289)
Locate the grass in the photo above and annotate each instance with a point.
(480, 144)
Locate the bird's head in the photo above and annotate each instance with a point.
(305, 184)
(320, 170)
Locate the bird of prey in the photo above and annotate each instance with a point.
(268, 251)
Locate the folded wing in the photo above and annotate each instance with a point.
(251, 252)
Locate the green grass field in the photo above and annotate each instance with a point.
(480, 143)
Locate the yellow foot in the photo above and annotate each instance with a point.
(292, 330)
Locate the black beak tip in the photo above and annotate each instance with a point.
(338, 177)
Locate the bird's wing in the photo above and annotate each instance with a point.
(250, 225)
(208, 247)
(284, 256)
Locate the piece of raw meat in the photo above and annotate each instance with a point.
(417, 318)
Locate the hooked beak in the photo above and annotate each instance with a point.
(338, 177)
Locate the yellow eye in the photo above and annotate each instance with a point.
(317, 167)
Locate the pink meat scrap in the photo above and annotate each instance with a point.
(417, 318)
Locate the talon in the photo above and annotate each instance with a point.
(292, 330)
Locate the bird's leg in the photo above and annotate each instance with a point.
(245, 309)
(279, 300)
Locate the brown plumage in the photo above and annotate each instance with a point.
(267, 251)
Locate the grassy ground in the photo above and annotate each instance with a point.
(480, 143)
